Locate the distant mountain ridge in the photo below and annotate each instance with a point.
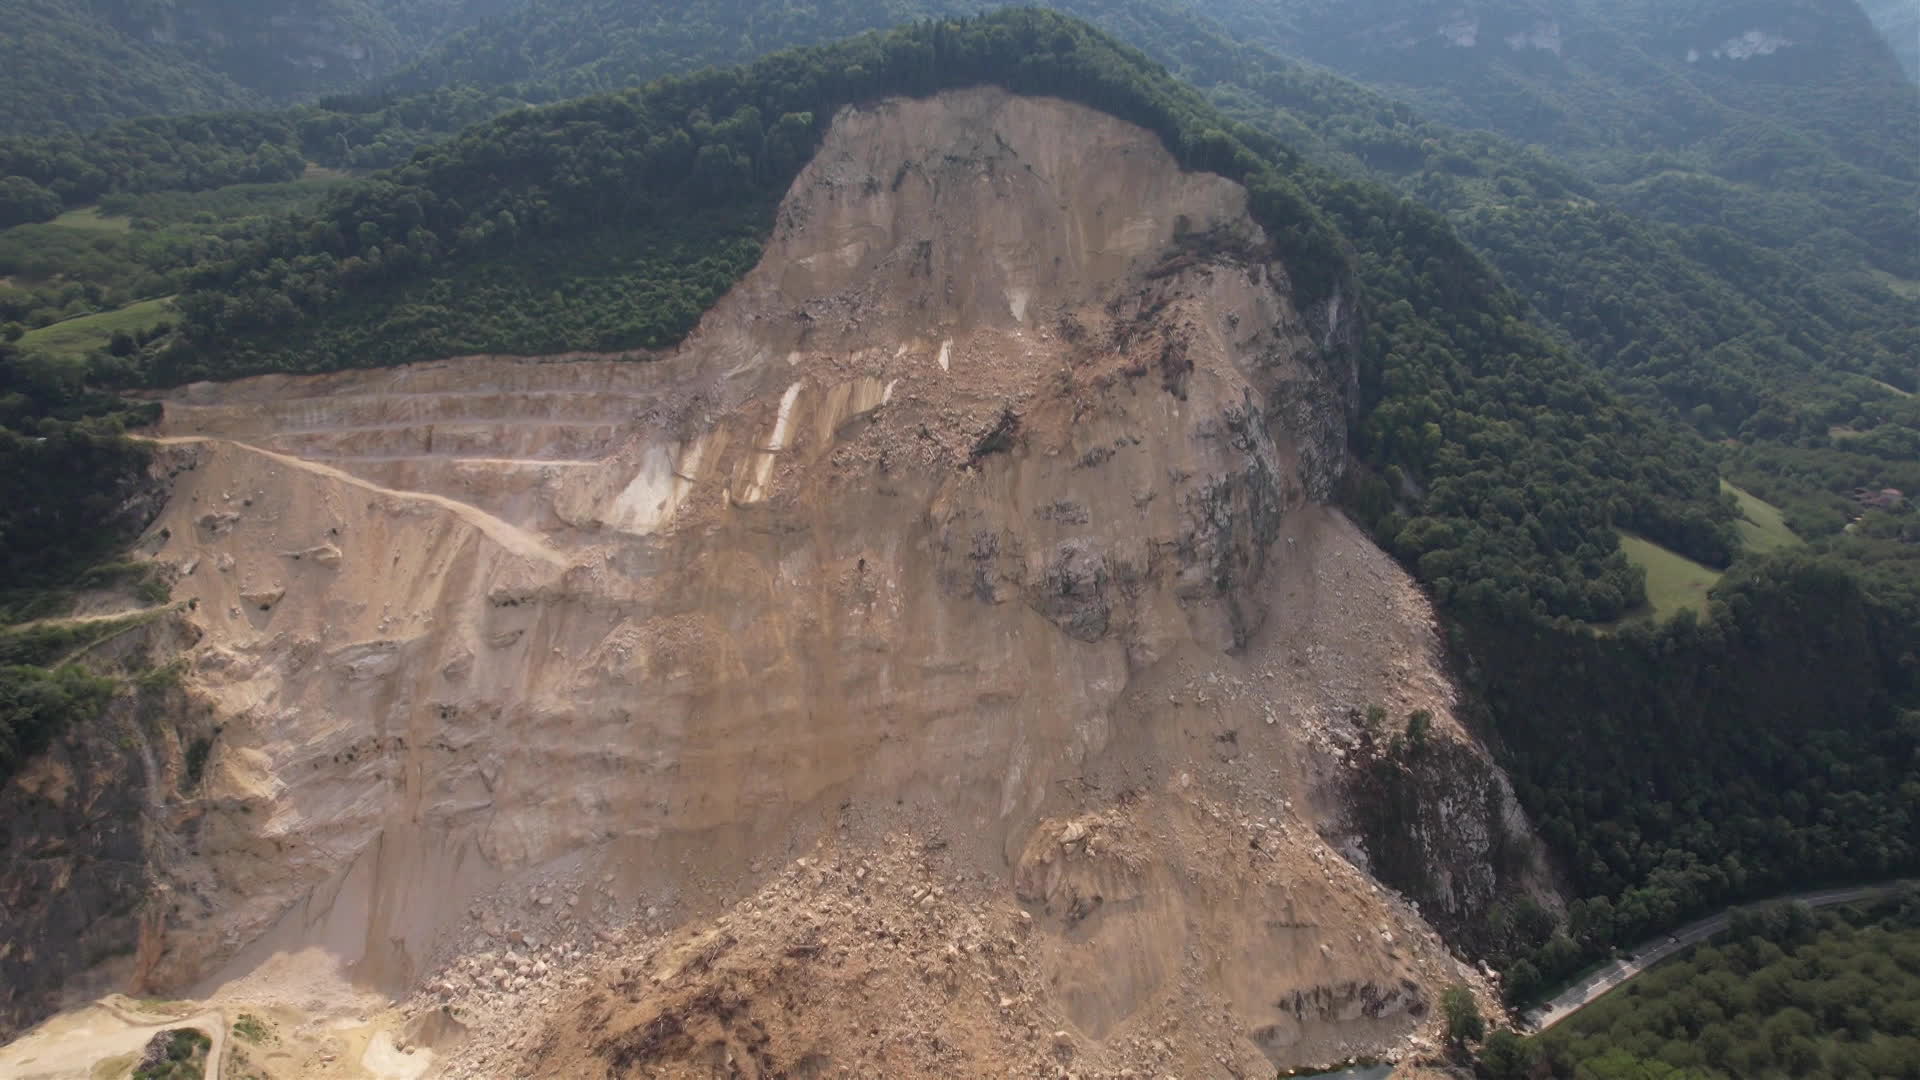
(76, 64)
(1899, 22)
(1565, 73)
(1716, 110)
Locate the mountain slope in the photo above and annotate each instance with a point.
(589, 46)
(76, 64)
(1496, 465)
(1475, 441)
(1743, 333)
(923, 625)
(1634, 75)
(459, 253)
(1899, 22)
(1742, 113)
(66, 67)
(1756, 309)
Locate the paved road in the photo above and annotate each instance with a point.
(1649, 953)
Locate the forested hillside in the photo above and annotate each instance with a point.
(550, 52)
(1679, 768)
(75, 64)
(1554, 353)
(1786, 991)
(1812, 114)
(63, 66)
(1746, 113)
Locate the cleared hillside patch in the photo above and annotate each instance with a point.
(1675, 583)
(1906, 287)
(90, 217)
(1762, 526)
(78, 337)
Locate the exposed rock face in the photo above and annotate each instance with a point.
(71, 828)
(80, 833)
(983, 506)
(1443, 827)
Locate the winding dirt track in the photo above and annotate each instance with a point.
(509, 536)
(71, 1046)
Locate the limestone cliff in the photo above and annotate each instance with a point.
(980, 523)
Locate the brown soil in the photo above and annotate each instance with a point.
(941, 665)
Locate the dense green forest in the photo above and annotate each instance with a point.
(67, 475)
(1677, 768)
(71, 65)
(134, 247)
(1786, 991)
(1660, 331)
(1802, 129)
(62, 65)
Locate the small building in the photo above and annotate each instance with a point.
(1883, 499)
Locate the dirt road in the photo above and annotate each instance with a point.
(1649, 953)
(71, 1045)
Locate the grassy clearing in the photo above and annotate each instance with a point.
(90, 217)
(1675, 583)
(78, 337)
(1762, 526)
(1903, 286)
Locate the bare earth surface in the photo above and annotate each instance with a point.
(115, 1028)
(941, 665)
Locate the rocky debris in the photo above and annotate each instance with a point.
(155, 1054)
(264, 598)
(999, 438)
(1072, 591)
(899, 960)
(440, 1030)
(525, 939)
(894, 962)
(218, 522)
(322, 555)
(776, 981)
